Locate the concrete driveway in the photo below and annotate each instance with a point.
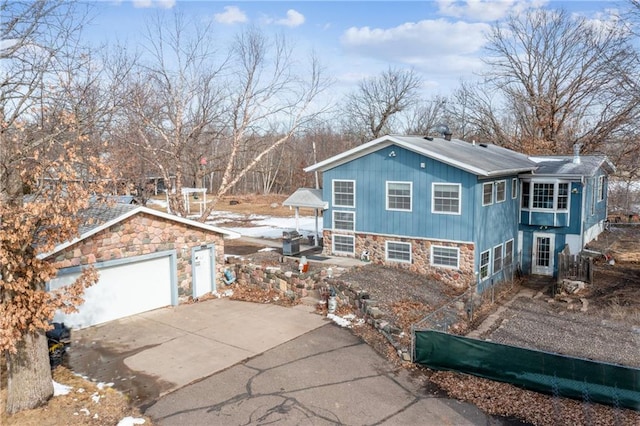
(325, 377)
(150, 354)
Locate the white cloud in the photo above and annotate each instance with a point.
(231, 15)
(433, 45)
(485, 10)
(293, 19)
(145, 4)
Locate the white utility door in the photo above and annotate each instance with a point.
(202, 272)
(542, 260)
(122, 290)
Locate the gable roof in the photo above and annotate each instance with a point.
(306, 197)
(102, 216)
(478, 159)
(563, 165)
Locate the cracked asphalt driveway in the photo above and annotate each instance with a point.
(326, 376)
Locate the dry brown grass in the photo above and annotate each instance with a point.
(79, 407)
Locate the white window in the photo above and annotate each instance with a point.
(601, 188)
(508, 254)
(399, 195)
(487, 193)
(545, 195)
(343, 244)
(563, 196)
(448, 257)
(397, 251)
(344, 221)
(497, 258)
(514, 188)
(501, 191)
(344, 193)
(445, 198)
(485, 257)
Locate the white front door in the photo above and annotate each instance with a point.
(202, 272)
(543, 254)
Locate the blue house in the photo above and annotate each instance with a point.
(453, 210)
(563, 202)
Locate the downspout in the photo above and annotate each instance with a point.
(584, 210)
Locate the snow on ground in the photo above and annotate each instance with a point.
(60, 389)
(130, 421)
(272, 227)
(260, 226)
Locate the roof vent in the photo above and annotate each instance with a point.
(429, 138)
(576, 153)
(484, 145)
(443, 129)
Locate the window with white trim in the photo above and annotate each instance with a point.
(497, 258)
(601, 188)
(344, 221)
(514, 188)
(398, 251)
(526, 195)
(508, 254)
(542, 195)
(487, 193)
(344, 193)
(545, 195)
(563, 196)
(445, 198)
(399, 195)
(448, 257)
(343, 244)
(501, 191)
(485, 257)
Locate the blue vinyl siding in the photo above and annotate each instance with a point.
(371, 172)
(495, 223)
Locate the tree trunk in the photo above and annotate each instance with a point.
(29, 382)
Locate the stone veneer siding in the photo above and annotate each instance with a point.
(143, 234)
(462, 277)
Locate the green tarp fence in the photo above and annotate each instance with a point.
(531, 369)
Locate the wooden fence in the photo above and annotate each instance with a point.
(574, 266)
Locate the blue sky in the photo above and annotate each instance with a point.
(442, 40)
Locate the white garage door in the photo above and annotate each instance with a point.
(122, 290)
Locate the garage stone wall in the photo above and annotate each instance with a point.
(143, 234)
(462, 277)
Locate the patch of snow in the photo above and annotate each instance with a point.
(85, 411)
(95, 397)
(268, 249)
(130, 421)
(342, 322)
(60, 389)
(102, 385)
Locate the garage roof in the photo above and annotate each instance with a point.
(101, 216)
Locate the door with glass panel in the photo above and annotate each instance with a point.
(542, 260)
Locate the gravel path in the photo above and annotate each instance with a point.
(534, 323)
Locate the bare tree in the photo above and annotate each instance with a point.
(425, 116)
(557, 79)
(369, 111)
(174, 100)
(270, 93)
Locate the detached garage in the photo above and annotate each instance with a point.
(146, 260)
